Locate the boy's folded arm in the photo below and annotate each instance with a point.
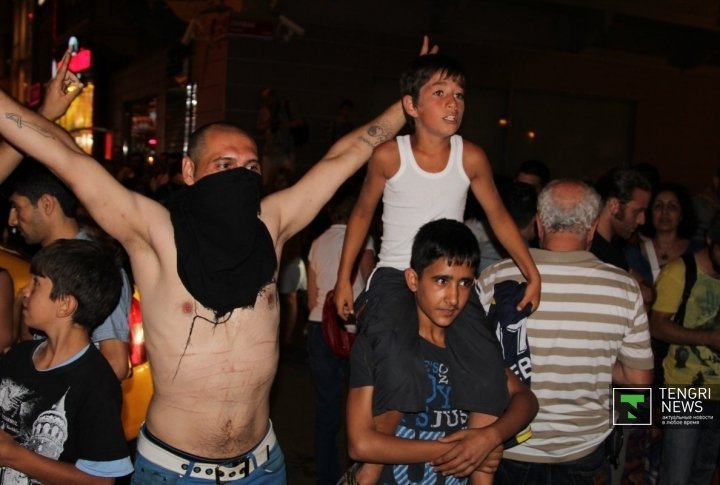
(473, 446)
(385, 423)
(521, 409)
(367, 444)
(490, 464)
(46, 470)
(478, 443)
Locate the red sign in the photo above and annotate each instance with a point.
(81, 61)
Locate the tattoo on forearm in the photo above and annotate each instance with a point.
(377, 135)
(17, 119)
(367, 142)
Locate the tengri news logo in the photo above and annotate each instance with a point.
(631, 406)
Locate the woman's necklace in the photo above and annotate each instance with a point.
(664, 252)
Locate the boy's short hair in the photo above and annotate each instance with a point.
(85, 270)
(447, 239)
(33, 180)
(419, 71)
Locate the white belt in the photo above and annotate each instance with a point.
(227, 470)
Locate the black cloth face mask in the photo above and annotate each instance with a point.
(225, 254)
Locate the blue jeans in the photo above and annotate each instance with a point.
(592, 469)
(330, 376)
(689, 455)
(271, 472)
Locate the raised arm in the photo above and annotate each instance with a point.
(286, 212)
(483, 187)
(114, 208)
(59, 93)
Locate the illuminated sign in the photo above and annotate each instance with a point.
(79, 62)
(82, 61)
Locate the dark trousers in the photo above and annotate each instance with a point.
(592, 469)
(329, 376)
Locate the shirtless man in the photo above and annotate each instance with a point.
(213, 348)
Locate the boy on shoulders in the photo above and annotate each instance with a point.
(421, 178)
(59, 397)
(441, 276)
(425, 176)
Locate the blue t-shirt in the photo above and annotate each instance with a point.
(438, 419)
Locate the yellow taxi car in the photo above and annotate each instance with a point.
(137, 389)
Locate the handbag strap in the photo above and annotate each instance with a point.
(690, 279)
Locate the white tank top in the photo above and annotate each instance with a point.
(413, 197)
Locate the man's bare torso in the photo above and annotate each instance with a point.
(212, 381)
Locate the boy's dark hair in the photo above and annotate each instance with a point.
(621, 183)
(419, 71)
(537, 168)
(520, 200)
(33, 180)
(85, 270)
(447, 239)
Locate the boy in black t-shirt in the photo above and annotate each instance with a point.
(444, 440)
(59, 398)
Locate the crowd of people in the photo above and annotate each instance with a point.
(492, 325)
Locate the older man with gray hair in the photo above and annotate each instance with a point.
(589, 330)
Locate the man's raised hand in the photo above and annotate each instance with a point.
(61, 90)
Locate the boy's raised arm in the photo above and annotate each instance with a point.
(112, 206)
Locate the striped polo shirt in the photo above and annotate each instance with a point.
(590, 315)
